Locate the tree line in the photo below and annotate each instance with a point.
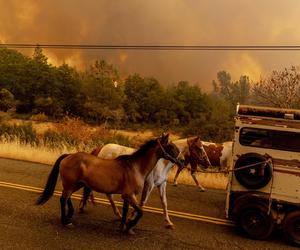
(30, 85)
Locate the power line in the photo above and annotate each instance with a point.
(152, 47)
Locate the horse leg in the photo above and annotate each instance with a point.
(114, 207)
(146, 192)
(70, 209)
(139, 213)
(85, 196)
(193, 174)
(124, 214)
(186, 162)
(176, 176)
(65, 220)
(145, 195)
(163, 198)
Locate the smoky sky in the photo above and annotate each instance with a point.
(160, 22)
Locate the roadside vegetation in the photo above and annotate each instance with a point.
(48, 110)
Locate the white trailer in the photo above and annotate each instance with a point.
(264, 180)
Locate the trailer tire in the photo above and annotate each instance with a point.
(255, 221)
(291, 227)
(253, 177)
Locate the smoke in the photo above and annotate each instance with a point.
(155, 22)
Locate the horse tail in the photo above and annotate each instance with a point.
(51, 182)
(96, 151)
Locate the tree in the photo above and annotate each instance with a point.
(233, 92)
(244, 89)
(36, 81)
(13, 69)
(68, 90)
(102, 89)
(216, 124)
(7, 100)
(189, 102)
(280, 89)
(142, 98)
(39, 56)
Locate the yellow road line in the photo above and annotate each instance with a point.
(178, 214)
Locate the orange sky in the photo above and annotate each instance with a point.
(156, 22)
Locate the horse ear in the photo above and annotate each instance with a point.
(164, 138)
(193, 140)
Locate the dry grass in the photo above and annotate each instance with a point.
(42, 155)
(18, 151)
(207, 180)
(82, 132)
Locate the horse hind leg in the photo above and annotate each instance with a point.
(85, 196)
(64, 199)
(114, 207)
(124, 214)
(70, 209)
(139, 213)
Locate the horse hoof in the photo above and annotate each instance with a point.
(170, 226)
(69, 225)
(130, 232)
(175, 184)
(81, 211)
(122, 229)
(119, 217)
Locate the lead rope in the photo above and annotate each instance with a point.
(269, 160)
(236, 169)
(271, 188)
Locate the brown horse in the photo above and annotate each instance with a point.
(194, 154)
(217, 154)
(124, 175)
(189, 147)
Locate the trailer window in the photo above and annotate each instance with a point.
(273, 139)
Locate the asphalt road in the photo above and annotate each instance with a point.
(24, 225)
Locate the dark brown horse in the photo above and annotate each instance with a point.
(124, 175)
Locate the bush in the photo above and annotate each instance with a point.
(75, 128)
(118, 139)
(4, 116)
(40, 117)
(56, 140)
(7, 100)
(24, 133)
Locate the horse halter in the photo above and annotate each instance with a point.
(168, 156)
(204, 155)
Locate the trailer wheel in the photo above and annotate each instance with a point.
(254, 177)
(291, 227)
(255, 221)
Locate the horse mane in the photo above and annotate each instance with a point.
(140, 152)
(96, 151)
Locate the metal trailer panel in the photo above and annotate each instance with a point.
(285, 183)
